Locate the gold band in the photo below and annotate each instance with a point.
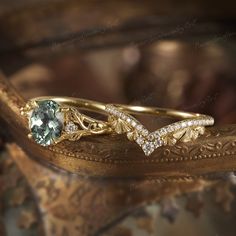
(80, 103)
(100, 107)
(185, 130)
(141, 110)
(74, 124)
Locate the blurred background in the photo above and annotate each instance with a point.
(157, 53)
(161, 53)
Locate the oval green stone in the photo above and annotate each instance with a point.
(46, 122)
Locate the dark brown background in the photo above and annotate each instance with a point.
(177, 54)
(164, 53)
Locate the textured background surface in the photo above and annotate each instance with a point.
(164, 54)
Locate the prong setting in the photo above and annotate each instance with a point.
(149, 141)
(51, 122)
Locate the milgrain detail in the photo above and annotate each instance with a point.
(174, 154)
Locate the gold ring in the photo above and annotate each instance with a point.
(53, 119)
(189, 128)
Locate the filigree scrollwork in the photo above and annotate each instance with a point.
(83, 125)
(50, 117)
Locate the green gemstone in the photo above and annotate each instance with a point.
(46, 122)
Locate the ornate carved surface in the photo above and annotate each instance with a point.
(69, 189)
(67, 201)
(77, 205)
(74, 205)
(113, 155)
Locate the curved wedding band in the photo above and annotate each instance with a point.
(189, 128)
(53, 119)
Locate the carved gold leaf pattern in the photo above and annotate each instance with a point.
(120, 126)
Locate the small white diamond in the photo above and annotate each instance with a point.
(161, 132)
(139, 127)
(164, 131)
(148, 148)
(161, 142)
(168, 129)
(139, 141)
(200, 122)
(157, 134)
(133, 123)
(110, 108)
(145, 132)
(71, 127)
(123, 116)
(128, 120)
(158, 143)
(190, 123)
(177, 126)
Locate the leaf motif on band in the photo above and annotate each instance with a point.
(169, 140)
(120, 126)
(185, 131)
(189, 134)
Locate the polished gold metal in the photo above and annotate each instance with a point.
(70, 108)
(120, 121)
(191, 126)
(112, 156)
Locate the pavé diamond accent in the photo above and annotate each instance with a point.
(150, 141)
(140, 141)
(71, 127)
(148, 148)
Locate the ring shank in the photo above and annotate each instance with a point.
(99, 107)
(157, 111)
(83, 104)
